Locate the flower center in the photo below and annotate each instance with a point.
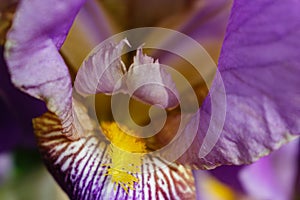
(126, 154)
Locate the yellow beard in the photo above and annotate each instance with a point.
(126, 154)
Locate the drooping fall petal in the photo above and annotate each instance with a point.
(31, 51)
(259, 65)
(80, 167)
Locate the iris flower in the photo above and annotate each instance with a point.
(259, 65)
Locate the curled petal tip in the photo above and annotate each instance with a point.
(150, 83)
(125, 41)
(102, 71)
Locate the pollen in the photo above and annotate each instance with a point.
(126, 153)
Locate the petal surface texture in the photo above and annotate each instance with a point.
(146, 80)
(260, 67)
(102, 71)
(149, 82)
(80, 167)
(275, 174)
(31, 51)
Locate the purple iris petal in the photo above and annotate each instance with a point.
(89, 29)
(259, 65)
(211, 19)
(149, 82)
(104, 72)
(36, 67)
(207, 26)
(274, 176)
(81, 166)
(271, 177)
(17, 111)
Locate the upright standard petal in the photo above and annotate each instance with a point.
(36, 67)
(259, 65)
(90, 22)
